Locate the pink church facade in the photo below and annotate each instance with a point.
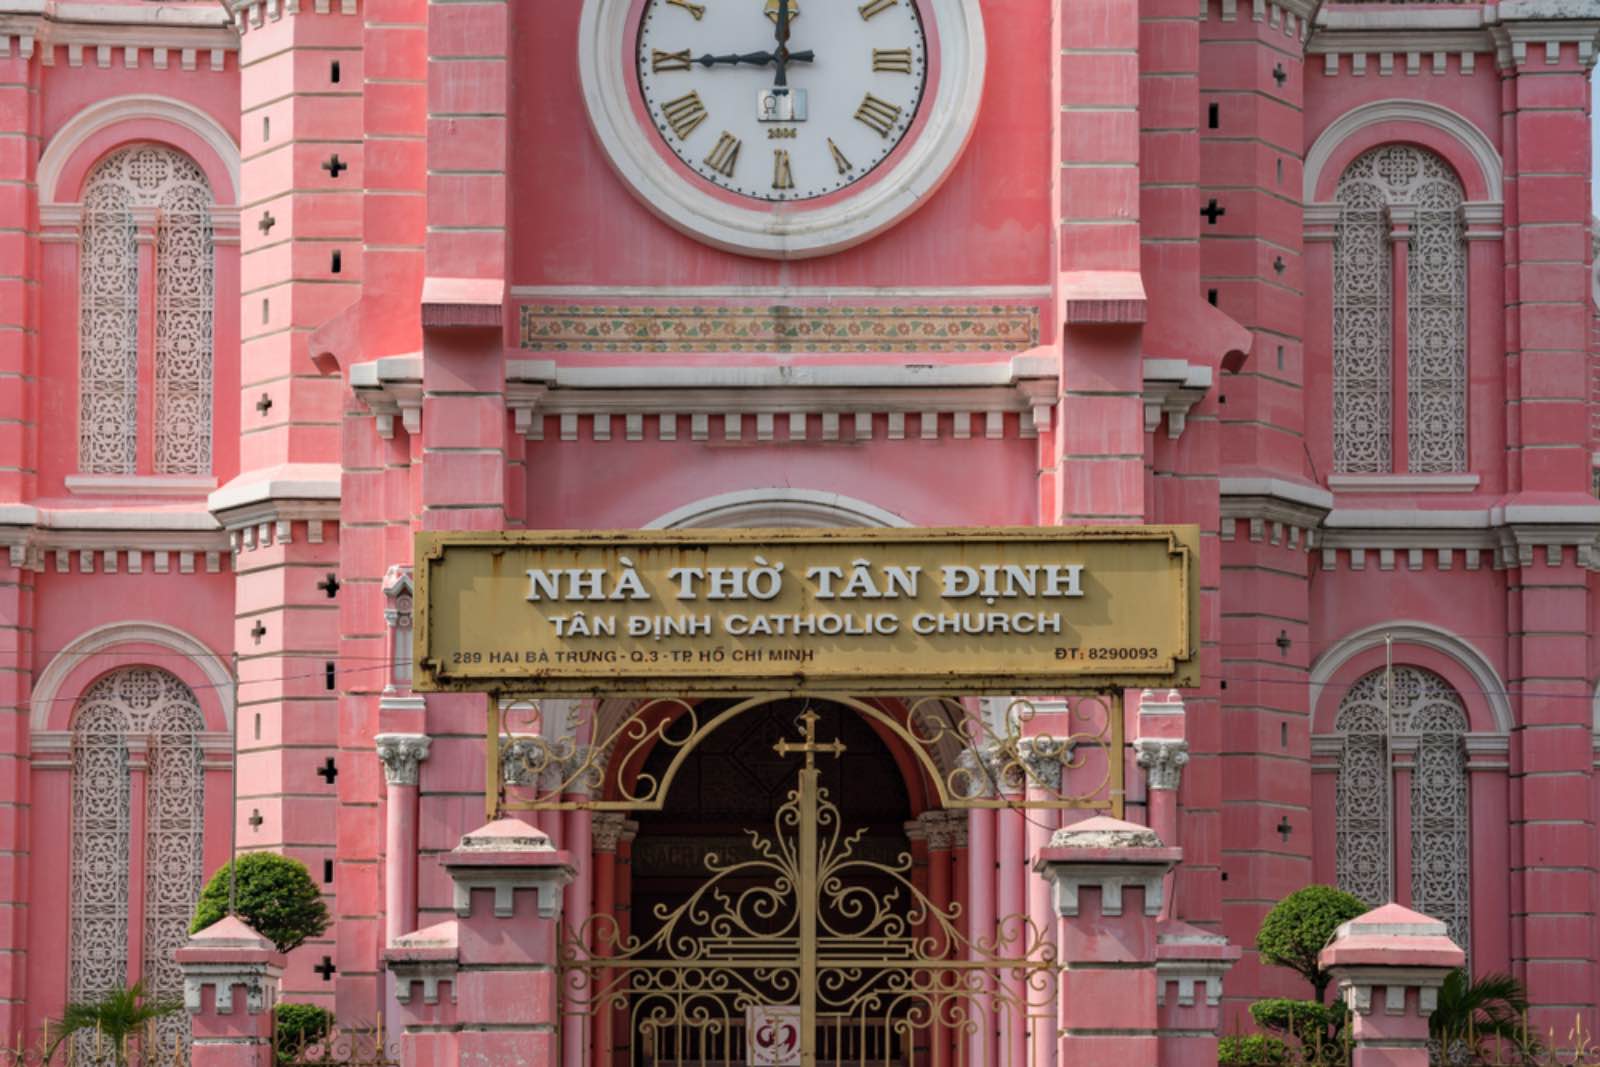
(287, 281)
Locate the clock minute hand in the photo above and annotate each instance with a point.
(756, 59)
(782, 58)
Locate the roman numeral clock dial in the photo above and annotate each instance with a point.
(781, 100)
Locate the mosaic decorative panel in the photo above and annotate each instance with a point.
(659, 328)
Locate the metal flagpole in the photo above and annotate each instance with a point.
(233, 814)
(1388, 760)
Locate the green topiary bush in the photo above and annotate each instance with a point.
(1298, 927)
(1252, 1050)
(276, 897)
(1312, 1024)
(295, 1027)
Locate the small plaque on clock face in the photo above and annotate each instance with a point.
(782, 99)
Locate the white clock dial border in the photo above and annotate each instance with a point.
(784, 230)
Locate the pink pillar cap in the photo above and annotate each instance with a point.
(430, 956)
(1392, 936)
(1192, 958)
(1108, 854)
(226, 954)
(506, 855)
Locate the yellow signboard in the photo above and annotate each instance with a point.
(1020, 610)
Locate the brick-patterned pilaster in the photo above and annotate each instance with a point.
(19, 288)
(1251, 138)
(1546, 139)
(301, 71)
(1100, 447)
(376, 485)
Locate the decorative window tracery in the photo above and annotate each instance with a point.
(1428, 717)
(1411, 189)
(139, 710)
(146, 182)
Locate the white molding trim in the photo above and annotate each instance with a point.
(1420, 111)
(181, 485)
(792, 232)
(105, 639)
(1409, 484)
(105, 113)
(754, 508)
(1425, 635)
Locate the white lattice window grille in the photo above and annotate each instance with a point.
(139, 711)
(146, 193)
(1425, 716)
(1399, 193)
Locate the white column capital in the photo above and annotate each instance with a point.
(402, 754)
(1163, 759)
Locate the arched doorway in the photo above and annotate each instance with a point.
(774, 892)
(735, 781)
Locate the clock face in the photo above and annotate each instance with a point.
(776, 104)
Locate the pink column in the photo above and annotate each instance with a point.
(1487, 766)
(232, 1026)
(1044, 783)
(1106, 877)
(941, 893)
(1190, 963)
(1405, 762)
(980, 903)
(402, 755)
(606, 829)
(1388, 966)
(575, 1030)
(1011, 906)
(1162, 750)
(138, 780)
(1400, 219)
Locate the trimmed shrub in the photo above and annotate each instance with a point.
(276, 897)
(295, 1027)
(1252, 1050)
(1298, 928)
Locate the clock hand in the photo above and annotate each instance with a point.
(757, 59)
(782, 56)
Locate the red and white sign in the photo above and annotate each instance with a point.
(772, 1036)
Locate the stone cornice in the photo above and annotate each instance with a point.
(248, 14)
(188, 36)
(286, 493)
(112, 539)
(962, 399)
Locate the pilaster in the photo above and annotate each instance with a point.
(1106, 879)
(1545, 141)
(301, 73)
(1252, 139)
(19, 293)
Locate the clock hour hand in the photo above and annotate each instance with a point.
(755, 59)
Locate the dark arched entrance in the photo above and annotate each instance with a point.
(735, 781)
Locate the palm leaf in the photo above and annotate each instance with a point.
(117, 1016)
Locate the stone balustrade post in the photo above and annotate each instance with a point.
(230, 985)
(509, 890)
(425, 965)
(1190, 963)
(1106, 879)
(1388, 966)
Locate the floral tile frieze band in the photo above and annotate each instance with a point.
(614, 328)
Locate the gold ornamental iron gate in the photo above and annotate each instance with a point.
(610, 659)
(801, 945)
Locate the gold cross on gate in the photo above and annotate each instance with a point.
(810, 746)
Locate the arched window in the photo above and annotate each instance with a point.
(146, 194)
(1399, 280)
(1412, 773)
(136, 767)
